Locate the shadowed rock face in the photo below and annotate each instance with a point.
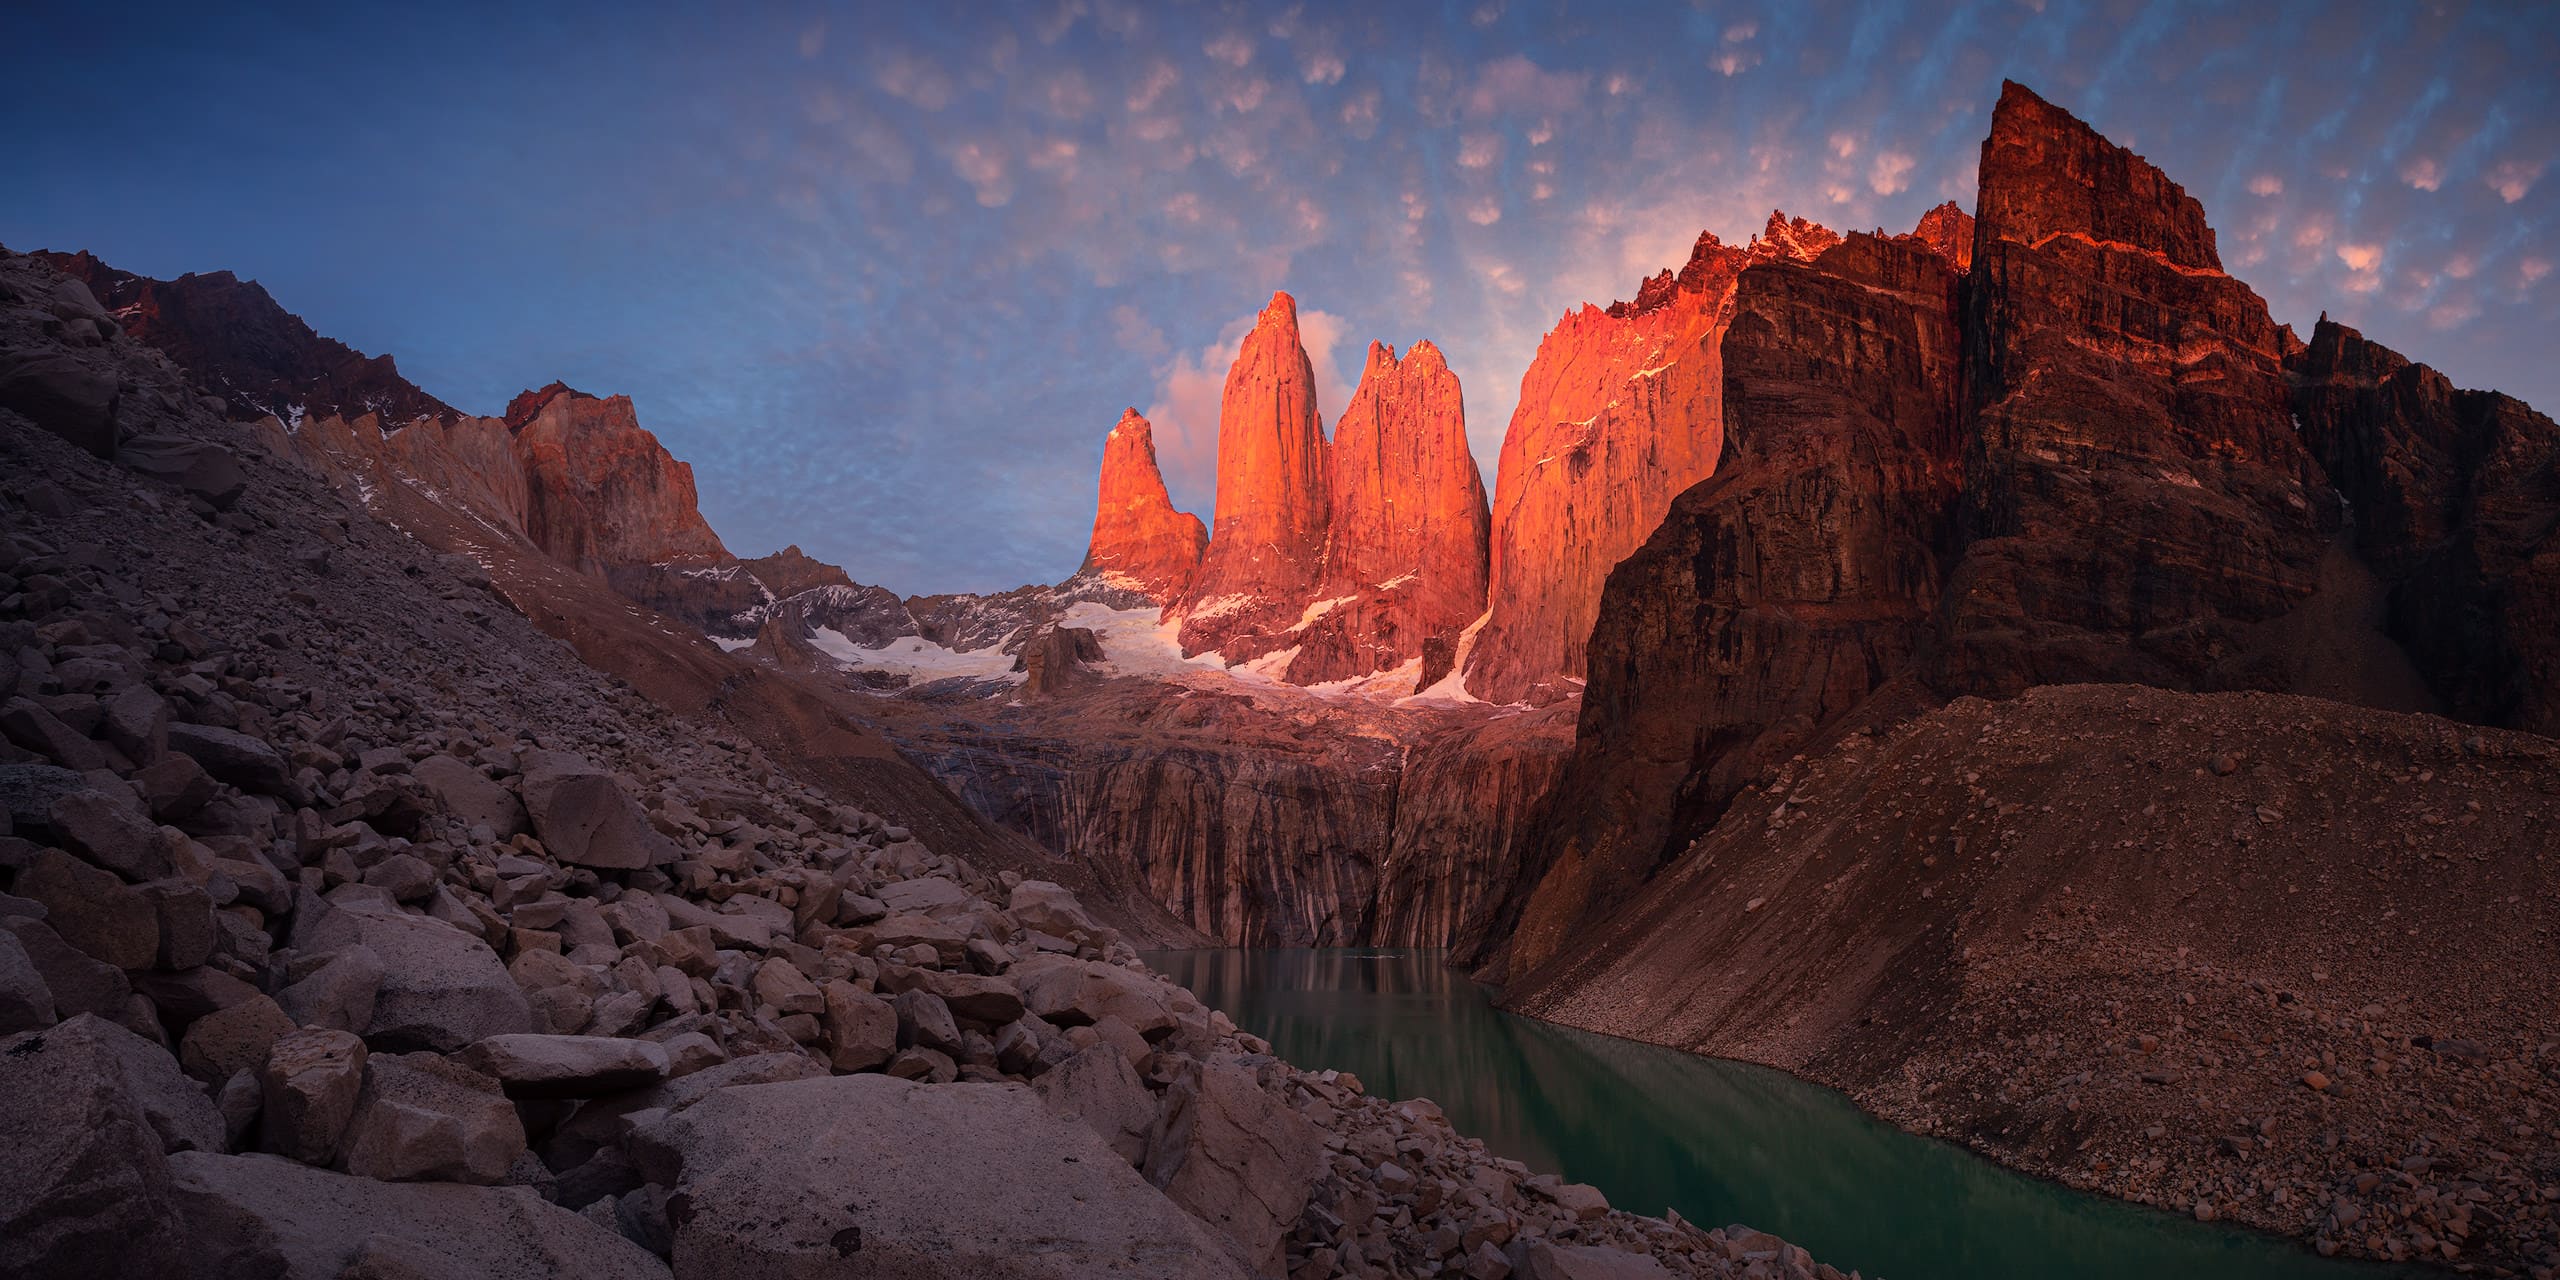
(1266, 547)
(2455, 498)
(1139, 541)
(1406, 543)
(1778, 595)
(2136, 501)
(238, 344)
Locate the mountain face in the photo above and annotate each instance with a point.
(2457, 510)
(1405, 545)
(1266, 546)
(1139, 541)
(1621, 410)
(2078, 466)
(236, 343)
(604, 494)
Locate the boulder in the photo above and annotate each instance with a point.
(585, 818)
(1238, 1158)
(28, 792)
(925, 1022)
(861, 1028)
(200, 467)
(1548, 1260)
(441, 988)
(93, 910)
(1051, 909)
(26, 1003)
(261, 1216)
(470, 796)
(1071, 992)
(866, 1176)
(980, 998)
(79, 983)
(111, 829)
(340, 994)
(86, 1190)
(233, 757)
(1097, 1086)
(30, 724)
(59, 393)
(423, 1117)
(226, 1042)
(537, 1066)
(308, 1089)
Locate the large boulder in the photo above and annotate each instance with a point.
(866, 1176)
(234, 757)
(93, 910)
(26, 1003)
(420, 1117)
(309, 1087)
(586, 819)
(1098, 1086)
(200, 467)
(462, 791)
(1073, 992)
(261, 1216)
(538, 1066)
(58, 392)
(441, 988)
(93, 1110)
(1239, 1158)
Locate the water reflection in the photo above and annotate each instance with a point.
(1719, 1141)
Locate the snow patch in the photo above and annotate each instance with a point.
(915, 657)
(728, 645)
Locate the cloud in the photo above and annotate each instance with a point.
(1891, 173)
(2513, 178)
(1484, 212)
(1150, 86)
(1322, 68)
(1733, 62)
(2266, 184)
(1479, 150)
(983, 166)
(1740, 32)
(2360, 257)
(1517, 85)
(813, 39)
(2530, 271)
(1360, 114)
(2423, 173)
(914, 80)
(1135, 335)
(1234, 49)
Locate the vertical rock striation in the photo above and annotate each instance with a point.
(1405, 544)
(1266, 548)
(1140, 543)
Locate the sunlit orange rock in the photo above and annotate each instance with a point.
(1140, 543)
(1266, 547)
(1405, 548)
(1621, 410)
(602, 493)
(1948, 229)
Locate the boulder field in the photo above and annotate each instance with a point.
(350, 925)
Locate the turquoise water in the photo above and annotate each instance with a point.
(1721, 1142)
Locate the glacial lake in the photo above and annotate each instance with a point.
(1722, 1142)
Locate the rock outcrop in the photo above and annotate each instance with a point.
(1406, 544)
(1140, 543)
(1776, 597)
(602, 495)
(2136, 502)
(2454, 507)
(1948, 230)
(1619, 413)
(236, 343)
(1266, 545)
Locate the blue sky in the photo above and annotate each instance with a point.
(886, 274)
